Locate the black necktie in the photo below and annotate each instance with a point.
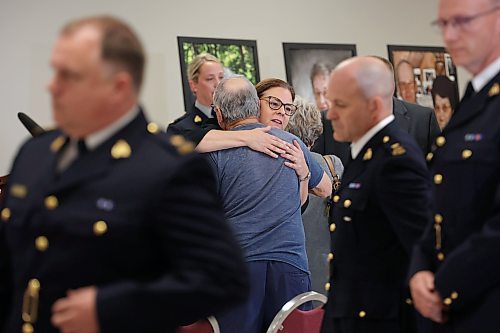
(469, 92)
(349, 156)
(82, 147)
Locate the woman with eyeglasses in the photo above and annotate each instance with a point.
(276, 106)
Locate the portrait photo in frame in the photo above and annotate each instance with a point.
(238, 56)
(307, 63)
(420, 69)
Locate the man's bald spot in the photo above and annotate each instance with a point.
(372, 75)
(235, 84)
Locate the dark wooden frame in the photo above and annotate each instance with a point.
(301, 57)
(213, 46)
(437, 52)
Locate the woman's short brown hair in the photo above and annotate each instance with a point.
(267, 84)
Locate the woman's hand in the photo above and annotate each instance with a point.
(259, 140)
(297, 161)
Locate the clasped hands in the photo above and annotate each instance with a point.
(426, 298)
(77, 312)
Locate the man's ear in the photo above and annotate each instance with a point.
(377, 108)
(122, 84)
(220, 117)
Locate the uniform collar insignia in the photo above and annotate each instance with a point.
(197, 119)
(121, 149)
(494, 90)
(368, 155)
(58, 142)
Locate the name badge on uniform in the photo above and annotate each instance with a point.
(104, 204)
(473, 137)
(354, 186)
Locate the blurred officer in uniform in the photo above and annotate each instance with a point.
(419, 121)
(455, 269)
(379, 211)
(204, 74)
(105, 227)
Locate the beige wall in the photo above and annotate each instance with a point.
(28, 28)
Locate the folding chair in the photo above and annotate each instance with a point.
(209, 325)
(290, 319)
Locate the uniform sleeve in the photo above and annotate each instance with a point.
(5, 275)
(473, 268)
(204, 270)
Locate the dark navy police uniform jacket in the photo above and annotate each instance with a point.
(138, 217)
(378, 214)
(462, 244)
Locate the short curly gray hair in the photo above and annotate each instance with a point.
(305, 122)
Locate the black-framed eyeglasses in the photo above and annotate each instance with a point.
(275, 104)
(461, 22)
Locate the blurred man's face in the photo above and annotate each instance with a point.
(472, 43)
(348, 108)
(320, 87)
(81, 84)
(406, 83)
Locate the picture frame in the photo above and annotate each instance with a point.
(304, 60)
(427, 63)
(238, 56)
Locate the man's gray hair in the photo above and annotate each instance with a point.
(237, 101)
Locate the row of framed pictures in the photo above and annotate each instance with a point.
(307, 65)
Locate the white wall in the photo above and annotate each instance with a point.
(28, 29)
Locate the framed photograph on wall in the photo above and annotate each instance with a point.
(308, 67)
(238, 56)
(423, 72)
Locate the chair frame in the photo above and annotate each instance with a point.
(291, 305)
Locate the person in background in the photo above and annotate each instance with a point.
(420, 122)
(405, 80)
(380, 209)
(108, 224)
(443, 95)
(276, 107)
(261, 199)
(455, 276)
(306, 124)
(204, 74)
(320, 75)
